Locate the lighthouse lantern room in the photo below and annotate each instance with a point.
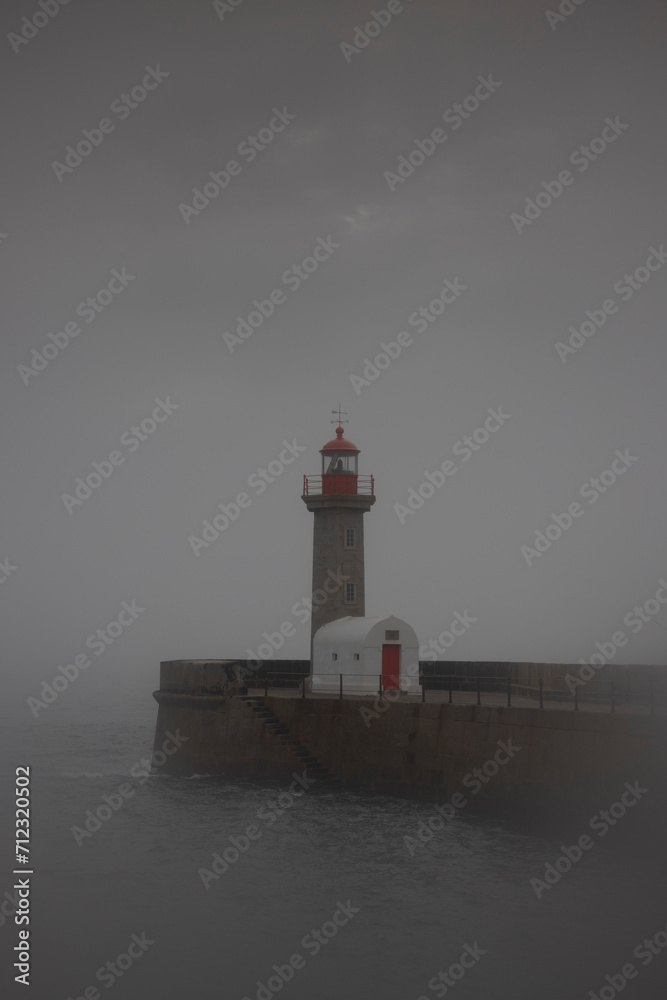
(339, 465)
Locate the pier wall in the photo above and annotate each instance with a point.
(405, 747)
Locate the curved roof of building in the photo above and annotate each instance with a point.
(360, 631)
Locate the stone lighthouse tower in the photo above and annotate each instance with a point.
(338, 497)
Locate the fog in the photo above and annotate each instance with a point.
(338, 120)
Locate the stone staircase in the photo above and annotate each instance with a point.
(285, 737)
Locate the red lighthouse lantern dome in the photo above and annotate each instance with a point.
(339, 465)
(339, 474)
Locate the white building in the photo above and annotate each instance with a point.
(363, 650)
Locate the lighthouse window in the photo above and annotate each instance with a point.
(339, 463)
(350, 593)
(349, 538)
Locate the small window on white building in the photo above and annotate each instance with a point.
(350, 538)
(350, 593)
(334, 656)
(391, 633)
(356, 656)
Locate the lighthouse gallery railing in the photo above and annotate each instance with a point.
(312, 485)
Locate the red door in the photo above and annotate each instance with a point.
(391, 665)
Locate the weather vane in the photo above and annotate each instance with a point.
(340, 416)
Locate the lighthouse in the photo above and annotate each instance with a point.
(338, 497)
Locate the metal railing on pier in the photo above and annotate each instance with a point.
(493, 691)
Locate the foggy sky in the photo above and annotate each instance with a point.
(322, 176)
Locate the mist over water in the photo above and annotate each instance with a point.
(138, 874)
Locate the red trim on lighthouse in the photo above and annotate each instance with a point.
(315, 485)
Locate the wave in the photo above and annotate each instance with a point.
(92, 774)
